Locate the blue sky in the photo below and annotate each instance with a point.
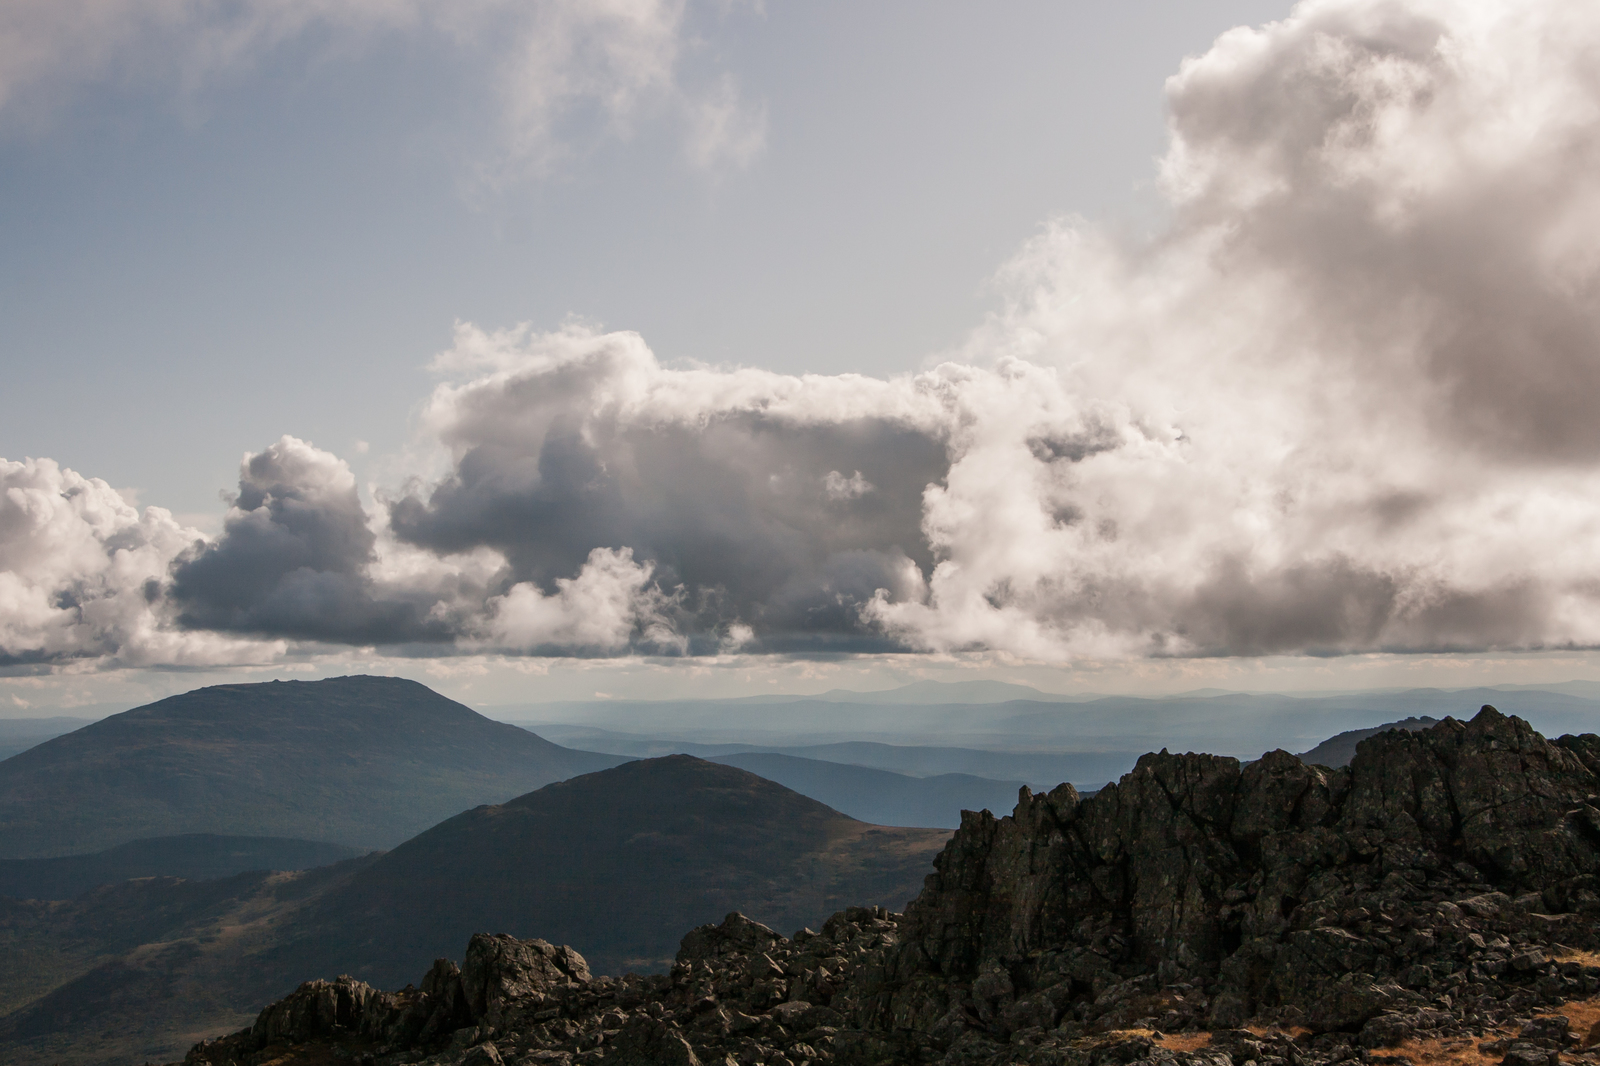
(282, 247)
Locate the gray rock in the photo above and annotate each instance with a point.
(735, 934)
(1521, 1054)
(501, 973)
(483, 1055)
(644, 1041)
(1421, 892)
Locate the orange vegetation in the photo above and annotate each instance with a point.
(1587, 958)
(1438, 1051)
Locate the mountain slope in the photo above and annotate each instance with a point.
(20, 734)
(133, 972)
(193, 856)
(1340, 749)
(882, 797)
(360, 761)
(618, 864)
(1433, 899)
(621, 862)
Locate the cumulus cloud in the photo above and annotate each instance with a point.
(563, 442)
(293, 557)
(554, 64)
(1342, 403)
(610, 606)
(82, 573)
(298, 557)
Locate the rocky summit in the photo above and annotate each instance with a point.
(1436, 900)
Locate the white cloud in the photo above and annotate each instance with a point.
(839, 487)
(82, 575)
(1345, 401)
(609, 605)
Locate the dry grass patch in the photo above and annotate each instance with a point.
(1584, 1014)
(1443, 1051)
(1438, 1051)
(1586, 958)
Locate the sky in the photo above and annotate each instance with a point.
(552, 350)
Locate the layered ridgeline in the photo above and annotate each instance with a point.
(882, 797)
(1011, 733)
(360, 761)
(1341, 749)
(1443, 888)
(617, 862)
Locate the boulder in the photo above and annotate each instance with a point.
(735, 935)
(501, 973)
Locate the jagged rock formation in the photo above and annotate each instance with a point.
(1340, 749)
(1436, 887)
(1219, 892)
(738, 989)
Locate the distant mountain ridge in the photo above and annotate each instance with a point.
(1043, 770)
(882, 797)
(364, 762)
(615, 863)
(1242, 725)
(1338, 750)
(935, 692)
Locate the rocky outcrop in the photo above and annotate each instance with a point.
(1200, 892)
(1339, 749)
(738, 989)
(1439, 886)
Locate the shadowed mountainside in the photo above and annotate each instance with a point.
(620, 861)
(1338, 750)
(20, 734)
(882, 797)
(360, 761)
(617, 864)
(193, 856)
(127, 973)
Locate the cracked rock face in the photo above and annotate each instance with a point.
(1436, 887)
